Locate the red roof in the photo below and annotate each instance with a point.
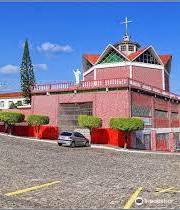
(165, 58)
(92, 58)
(135, 54)
(11, 95)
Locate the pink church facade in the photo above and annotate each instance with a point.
(123, 81)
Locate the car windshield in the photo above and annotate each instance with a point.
(66, 134)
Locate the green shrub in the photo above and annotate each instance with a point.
(18, 103)
(12, 105)
(89, 121)
(127, 124)
(11, 118)
(37, 120)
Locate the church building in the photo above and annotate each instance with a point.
(124, 80)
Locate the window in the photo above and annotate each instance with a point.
(66, 134)
(141, 111)
(123, 48)
(10, 102)
(174, 115)
(147, 57)
(161, 114)
(112, 57)
(131, 48)
(1, 103)
(78, 135)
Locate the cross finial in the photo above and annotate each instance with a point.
(126, 25)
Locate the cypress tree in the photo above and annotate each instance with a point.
(26, 73)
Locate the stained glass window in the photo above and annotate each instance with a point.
(112, 57)
(147, 57)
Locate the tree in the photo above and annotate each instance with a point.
(10, 119)
(127, 125)
(27, 73)
(37, 120)
(89, 121)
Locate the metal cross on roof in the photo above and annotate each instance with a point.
(126, 24)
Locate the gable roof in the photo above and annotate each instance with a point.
(92, 58)
(106, 50)
(165, 58)
(136, 54)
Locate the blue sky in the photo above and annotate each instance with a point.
(77, 28)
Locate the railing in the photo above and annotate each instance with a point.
(107, 83)
(81, 85)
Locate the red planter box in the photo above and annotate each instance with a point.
(109, 136)
(45, 131)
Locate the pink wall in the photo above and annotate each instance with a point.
(89, 77)
(141, 100)
(105, 104)
(148, 75)
(112, 72)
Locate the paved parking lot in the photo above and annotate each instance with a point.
(58, 177)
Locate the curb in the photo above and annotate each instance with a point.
(95, 146)
(30, 139)
(133, 151)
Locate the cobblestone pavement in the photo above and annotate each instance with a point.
(89, 178)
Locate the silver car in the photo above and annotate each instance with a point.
(72, 139)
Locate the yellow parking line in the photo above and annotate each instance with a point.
(160, 190)
(31, 188)
(132, 198)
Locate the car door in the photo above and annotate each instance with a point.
(77, 138)
(83, 139)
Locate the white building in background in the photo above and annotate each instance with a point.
(6, 99)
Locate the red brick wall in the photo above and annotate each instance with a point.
(148, 75)
(105, 104)
(160, 104)
(140, 99)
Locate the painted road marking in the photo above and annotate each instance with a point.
(161, 190)
(132, 198)
(31, 188)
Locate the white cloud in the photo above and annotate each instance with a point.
(48, 47)
(9, 69)
(42, 66)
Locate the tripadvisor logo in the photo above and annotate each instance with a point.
(139, 201)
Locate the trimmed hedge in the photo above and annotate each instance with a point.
(11, 118)
(127, 124)
(89, 121)
(37, 120)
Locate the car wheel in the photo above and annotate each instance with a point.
(73, 144)
(59, 144)
(87, 144)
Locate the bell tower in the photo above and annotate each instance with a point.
(127, 46)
